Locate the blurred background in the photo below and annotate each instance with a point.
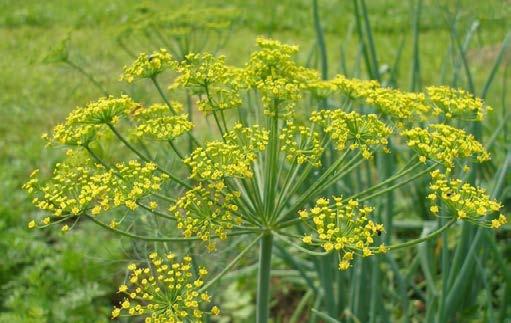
(57, 54)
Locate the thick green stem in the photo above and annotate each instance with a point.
(263, 279)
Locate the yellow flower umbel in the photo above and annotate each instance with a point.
(280, 80)
(456, 104)
(148, 66)
(468, 202)
(445, 144)
(218, 160)
(354, 88)
(400, 106)
(206, 210)
(343, 227)
(165, 291)
(157, 122)
(249, 139)
(208, 76)
(301, 144)
(79, 185)
(357, 131)
(83, 123)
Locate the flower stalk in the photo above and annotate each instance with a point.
(263, 278)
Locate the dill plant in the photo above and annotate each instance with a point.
(270, 169)
(182, 30)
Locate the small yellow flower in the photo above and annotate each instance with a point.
(344, 265)
(307, 239)
(215, 310)
(383, 249)
(153, 205)
(116, 312)
(495, 224)
(125, 304)
(367, 252)
(31, 224)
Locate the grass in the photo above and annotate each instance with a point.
(34, 97)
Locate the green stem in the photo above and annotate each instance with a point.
(217, 121)
(425, 238)
(169, 105)
(144, 158)
(96, 157)
(401, 173)
(147, 238)
(176, 150)
(263, 279)
(157, 213)
(363, 44)
(370, 40)
(230, 265)
(88, 76)
(305, 250)
(320, 39)
(126, 143)
(324, 183)
(163, 96)
(393, 187)
(271, 167)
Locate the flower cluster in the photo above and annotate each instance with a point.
(148, 66)
(280, 80)
(469, 202)
(456, 103)
(218, 160)
(79, 185)
(400, 106)
(343, 227)
(356, 130)
(302, 144)
(444, 144)
(157, 122)
(354, 88)
(249, 139)
(164, 291)
(210, 77)
(83, 123)
(206, 210)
